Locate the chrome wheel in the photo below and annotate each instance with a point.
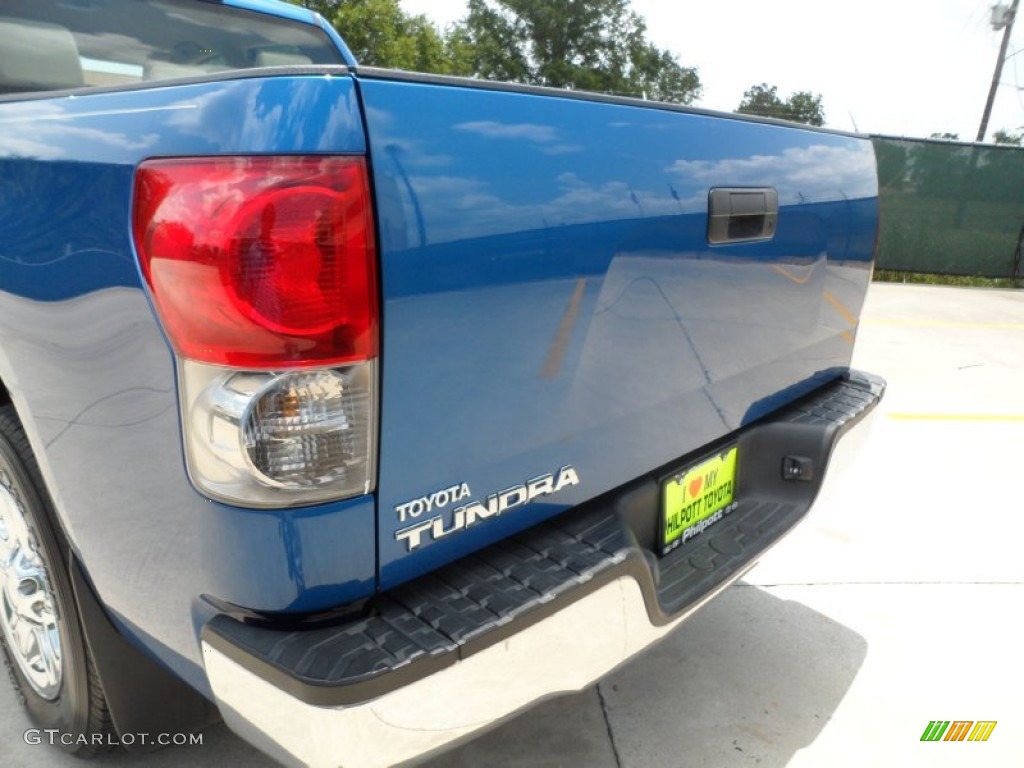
(27, 613)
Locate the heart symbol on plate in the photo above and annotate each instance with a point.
(695, 485)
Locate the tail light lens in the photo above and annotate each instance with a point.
(262, 273)
(260, 261)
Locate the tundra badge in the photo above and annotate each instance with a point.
(474, 512)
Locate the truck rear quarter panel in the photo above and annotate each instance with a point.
(94, 380)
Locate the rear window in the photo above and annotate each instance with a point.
(50, 45)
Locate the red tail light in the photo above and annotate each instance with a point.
(260, 262)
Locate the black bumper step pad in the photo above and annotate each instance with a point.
(434, 621)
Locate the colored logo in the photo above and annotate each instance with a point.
(958, 730)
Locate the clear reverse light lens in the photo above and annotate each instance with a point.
(279, 438)
(299, 432)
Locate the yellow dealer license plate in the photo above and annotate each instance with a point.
(697, 498)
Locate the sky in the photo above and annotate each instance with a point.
(898, 67)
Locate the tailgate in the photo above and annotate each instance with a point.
(555, 320)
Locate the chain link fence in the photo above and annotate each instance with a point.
(949, 207)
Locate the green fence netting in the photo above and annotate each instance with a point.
(950, 208)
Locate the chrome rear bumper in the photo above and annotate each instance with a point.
(565, 652)
(549, 611)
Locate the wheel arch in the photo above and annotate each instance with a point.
(142, 696)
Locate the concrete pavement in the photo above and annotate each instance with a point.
(895, 603)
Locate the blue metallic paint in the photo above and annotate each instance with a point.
(497, 208)
(93, 378)
(501, 215)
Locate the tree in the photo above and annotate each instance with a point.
(1005, 137)
(598, 45)
(593, 45)
(379, 33)
(800, 107)
(324, 7)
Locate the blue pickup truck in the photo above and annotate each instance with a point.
(363, 408)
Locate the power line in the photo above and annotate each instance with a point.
(1016, 80)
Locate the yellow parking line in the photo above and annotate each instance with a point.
(842, 310)
(556, 353)
(943, 324)
(957, 416)
(795, 278)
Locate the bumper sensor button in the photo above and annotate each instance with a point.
(797, 468)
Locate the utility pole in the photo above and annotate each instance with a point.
(1006, 24)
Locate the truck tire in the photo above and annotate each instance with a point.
(41, 637)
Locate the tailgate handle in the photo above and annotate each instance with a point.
(742, 214)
